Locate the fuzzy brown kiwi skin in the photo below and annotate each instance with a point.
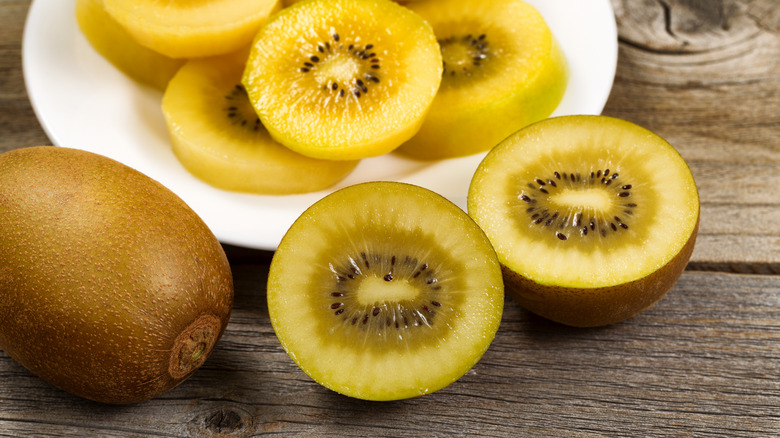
(598, 306)
(111, 287)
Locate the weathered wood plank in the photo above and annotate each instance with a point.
(706, 76)
(703, 361)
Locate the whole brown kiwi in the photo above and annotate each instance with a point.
(111, 287)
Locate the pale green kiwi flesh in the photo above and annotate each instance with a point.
(385, 291)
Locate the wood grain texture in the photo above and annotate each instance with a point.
(704, 361)
(705, 75)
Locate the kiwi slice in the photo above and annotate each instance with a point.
(593, 218)
(385, 291)
(117, 46)
(217, 136)
(343, 79)
(503, 69)
(189, 29)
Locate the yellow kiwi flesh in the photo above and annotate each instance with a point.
(343, 79)
(217, 136)
(115, 44)
(593, 218)
(385, 291)
(503, 69)
(111, 287)
(190, 29)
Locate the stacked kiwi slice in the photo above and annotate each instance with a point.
(218, 137)
(343, 79)
(117, 46)
(188, 29)
(502, 69)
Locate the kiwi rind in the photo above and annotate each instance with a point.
(600, 306)
(588, 279)
(103, 270)
(376, 360)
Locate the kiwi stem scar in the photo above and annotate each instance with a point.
(193, 345)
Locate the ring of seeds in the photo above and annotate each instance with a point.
(460, 55)
(578, 222)
(419, 311)
(330, 51)
(239, 109)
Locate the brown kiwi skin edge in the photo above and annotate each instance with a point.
(111, 287)
(594, 307)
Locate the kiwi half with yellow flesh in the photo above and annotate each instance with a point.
(593, 218)
(385, 291)
(217, 136)
(111, 287)
(117, 46)
(503, 69)
(343, 79)
(191, 29)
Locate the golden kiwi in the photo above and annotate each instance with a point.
(593, 218)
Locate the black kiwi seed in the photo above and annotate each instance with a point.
(418, 313)
(540, 188)
(356, 86)
(476, 51)
(239, 110)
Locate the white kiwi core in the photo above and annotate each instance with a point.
(587, 199)
(376, 290)
(339, 68)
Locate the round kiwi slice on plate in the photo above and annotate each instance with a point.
(593, 218)
(190, 29)
(218, 137)
(503, 69)
(343, 79)
(385, 291)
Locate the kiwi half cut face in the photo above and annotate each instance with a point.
(593, 218)
(502, 69)
(385, 291)
(217, 136)
(343, 79)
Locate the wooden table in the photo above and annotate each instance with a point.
(705, 361)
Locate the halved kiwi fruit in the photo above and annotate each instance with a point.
(503, 69)
(385, 291)
(113, 42)
(218, 137)
(190, 29)
(343, 79)
(593, 218)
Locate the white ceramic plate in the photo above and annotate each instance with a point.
(83, 102)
